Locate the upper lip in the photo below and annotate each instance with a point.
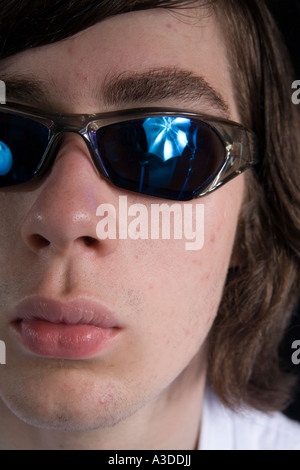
(76, 312)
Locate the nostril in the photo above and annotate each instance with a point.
(89, 241)
(38, 241)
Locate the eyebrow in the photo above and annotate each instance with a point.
(126, 88)
(159, 84)
(31, 90)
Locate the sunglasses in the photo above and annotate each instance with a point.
(167, 154)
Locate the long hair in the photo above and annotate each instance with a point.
(261, 293)
(262, 289)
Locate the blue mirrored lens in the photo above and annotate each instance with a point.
(22, 145)
(170, 157)
(6, 160)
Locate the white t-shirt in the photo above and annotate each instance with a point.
(223, 429)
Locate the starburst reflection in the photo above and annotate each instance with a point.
(167, 136)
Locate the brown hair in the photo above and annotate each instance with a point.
(261, 291)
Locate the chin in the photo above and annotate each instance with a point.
(70, 400)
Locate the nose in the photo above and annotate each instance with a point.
(63, 214)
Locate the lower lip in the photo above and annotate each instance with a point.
(64, 341)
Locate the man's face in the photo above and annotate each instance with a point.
(161, 297)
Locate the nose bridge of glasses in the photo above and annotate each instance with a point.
(77, 125)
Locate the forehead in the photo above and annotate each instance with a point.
(76, 68)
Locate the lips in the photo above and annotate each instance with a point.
(80, 329)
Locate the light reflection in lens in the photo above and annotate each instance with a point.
(167, 136)
(6, 160)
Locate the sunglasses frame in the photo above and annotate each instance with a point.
(240, 143)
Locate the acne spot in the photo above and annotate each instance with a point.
(213, 238)
(70, 49)
(197, 261)
(188, 333)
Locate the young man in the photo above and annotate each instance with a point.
(123, 343)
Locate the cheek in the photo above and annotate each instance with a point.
(182, 289)
(13, 207)
(9, 232)
(17, 270)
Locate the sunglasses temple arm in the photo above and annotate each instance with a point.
(242, 153)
